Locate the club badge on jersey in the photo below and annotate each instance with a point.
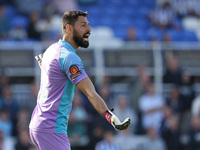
(75, 72)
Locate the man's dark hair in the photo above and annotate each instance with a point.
(70, 17)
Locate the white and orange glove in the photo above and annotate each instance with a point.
(115, 122)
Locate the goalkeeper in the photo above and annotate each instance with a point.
(61, 72)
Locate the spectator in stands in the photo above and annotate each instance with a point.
(6, 143)
(4, 80)
(163, 17)
(107, 143)
(139, 86)
(171, 134)
(173, 73)
(34, 91)
(49, 27)
(126, 140)
(30, 103)
(173, 101)
(166, 38)
(194, 8)
(123, 110)
(131, 34)
(194, 132)
(184, 8)
(195, 109)
(32, 30)
(151, 106)
(10, 104)
(6, 125)
(78, 124)
(180, 7)
(187, 93)
(96, 135)
(23, 118)
(17, 32)
(105, 93)
(153, 140)
(44, 27)
(56, 20)
(23, 140)
(4, 23)
(165, 121)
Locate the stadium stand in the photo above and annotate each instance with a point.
(117, 15)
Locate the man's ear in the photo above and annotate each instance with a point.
(68, 27)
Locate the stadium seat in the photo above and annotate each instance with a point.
(154, 32)
(149, 3)
(175, 35)
(121, 14)
(20, 21)
(189, 36)
(142, 35)
(134, 3)
(10, 11)
(120, 32)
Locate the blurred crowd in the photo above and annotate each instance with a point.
(15, 116)
(41, 20)
(170, 121)
(32, 19)
(170, 20)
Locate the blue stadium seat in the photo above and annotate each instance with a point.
(10, 11)
(120, 32)
(115, 2)
(107, 21)
(122, 22)
(135, 3)
(91, 9)
(20, 21)
(94, 21)
(140, 23)
(142, 35)
(175, 35)
(110, 11)
(149, 3)
(144, 11)
(183, 35)
(189, 36)
(127, 11)
(156, 33)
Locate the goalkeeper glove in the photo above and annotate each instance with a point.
(115, 122)
(39, 59)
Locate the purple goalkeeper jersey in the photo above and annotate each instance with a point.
(61, 70)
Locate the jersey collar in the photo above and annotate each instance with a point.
(66, 44)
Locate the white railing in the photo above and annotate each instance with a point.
(100, 59)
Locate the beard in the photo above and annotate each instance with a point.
(79, 40)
